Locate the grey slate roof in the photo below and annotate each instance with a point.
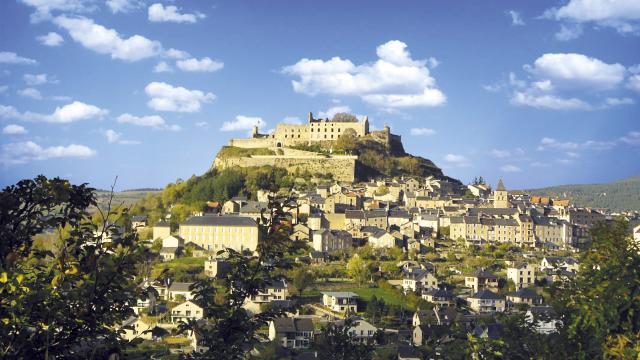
(220, 221)
(288, 325)
(525, 293)
(180, 286)
(486, 294)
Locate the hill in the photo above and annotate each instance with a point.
(126, 197)
(618, 195)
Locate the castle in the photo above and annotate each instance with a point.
(315, 130)
(282, 140)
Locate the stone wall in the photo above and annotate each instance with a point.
(342, 167)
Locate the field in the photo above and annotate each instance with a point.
(121, 197)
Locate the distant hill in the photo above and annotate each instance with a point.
(618, 195)
(127, 197)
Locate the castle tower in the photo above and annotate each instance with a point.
(387, 134)
(500, 196)
(310, 117)
(366, 125)
(254, 131)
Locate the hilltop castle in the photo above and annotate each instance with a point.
(315, 130)
(285, 147)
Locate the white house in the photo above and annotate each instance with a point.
(416, 279)
(292, 333)
(486, 301)
(340, 301)
(178, 290)
(544, 319)
(522, 274)
(186, 311)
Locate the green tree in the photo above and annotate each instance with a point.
(358, 269)
(65, 303)
(337, 343)
(302, 279)
(347, 142)
(602, 303)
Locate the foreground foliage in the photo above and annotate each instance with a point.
(64, 303)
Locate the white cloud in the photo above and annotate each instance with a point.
(165, 97)
(422, 132)
(122, 6)
(577, 71)
(622, 15)
(161, 67)
(455, 159)
(632, 138)
(159, 13)
(51, 39)
(633, 82)
(562, 81)
(201, 124)
(492, 87)
(516, 19)
(509, 168)
(619, 101)
(176, 54)
(394, 80)
(60, 98)
(8, 57)
(69, 113)
(243, 123)
(292, 120)
(202, 65)
(569, 32)
(500, 153)
(332, 111)
(551, 143)
(153, 121)
(13, 129)
(116, 137)
(45, 7)
(548, 102)
(107, 41)
(30, 93)
(38, 79)
(23, 152)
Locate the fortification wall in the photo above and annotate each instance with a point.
(252, 143)
(342, 167)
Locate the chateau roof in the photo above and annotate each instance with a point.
(500, 186)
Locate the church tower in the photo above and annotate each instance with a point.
(500, 196)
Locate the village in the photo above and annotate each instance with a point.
(405, 259)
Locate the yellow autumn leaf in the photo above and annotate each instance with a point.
(72, 270)
(3, 277)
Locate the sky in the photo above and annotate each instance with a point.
(538, 93)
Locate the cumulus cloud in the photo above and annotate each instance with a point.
(456, 160)
(51, 39)
(69, 113)
(619, 101)
(160, 13)
(332, 111)
(516, 18)
(43, 8)
(394, 80)
(108, 41)
(202, 65)
(551, 143)
(622, 15)
(114, 137)
(633, 82)
(176, 54)
(8, 57)
(30, 93)
(13, 129)
(23, 152)
(569, 32)
(563, 81)
(161, 67)
(153, 121)
(422, 132)
(242, 122)
(38, 79)
(505, 153)
(632, 138)
(509, 168)
(122, 6)
(165, 97)
(201, 124)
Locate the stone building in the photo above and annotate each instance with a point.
(219, 232)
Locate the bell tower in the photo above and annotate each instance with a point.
(500, 196)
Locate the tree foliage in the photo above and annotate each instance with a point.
(337, 343)
(65, 303)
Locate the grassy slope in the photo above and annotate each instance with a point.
(126, 197)
(618, 195)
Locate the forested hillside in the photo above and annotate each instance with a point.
(619, 195)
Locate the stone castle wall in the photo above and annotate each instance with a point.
(342, 167)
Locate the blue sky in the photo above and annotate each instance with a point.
(538, 93)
